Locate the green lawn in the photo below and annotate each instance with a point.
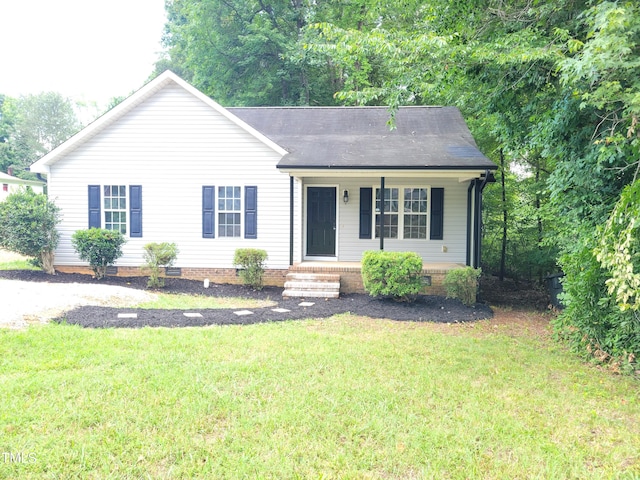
(345, 397)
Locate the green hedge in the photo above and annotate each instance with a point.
(592, 321)
(156, 256)
(392, 274)
(462, 283)
(99, 247)
(251, 264)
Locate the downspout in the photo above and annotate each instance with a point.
(469, 190)
(479, 191)
(290, 220)
(381, 213)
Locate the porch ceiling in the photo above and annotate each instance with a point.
(319, 266)
(461, 175)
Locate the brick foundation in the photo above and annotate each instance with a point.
(350, 277)
(215, 275)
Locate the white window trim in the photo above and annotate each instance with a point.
(218, 212)
(125, 210)
(401, 212)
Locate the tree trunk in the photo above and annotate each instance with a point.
(46, 257)
(503, 253)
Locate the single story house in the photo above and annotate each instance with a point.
(313, 186)
(11, 184)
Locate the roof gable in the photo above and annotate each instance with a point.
(360, 137)
(120, 110)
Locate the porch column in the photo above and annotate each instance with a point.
(290, 220)
(381, 213)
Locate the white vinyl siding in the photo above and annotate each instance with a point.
(172, 143)
(350, 247)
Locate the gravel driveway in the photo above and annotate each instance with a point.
(24, 303)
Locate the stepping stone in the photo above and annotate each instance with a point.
(280, 310)
(127, 315)
(192, 315)
(241, 313)
(306, 304)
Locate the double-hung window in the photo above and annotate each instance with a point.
(115, 208)
(390, 213)
(229, 211)
(234, 208)
(415, 213)
(406, 212)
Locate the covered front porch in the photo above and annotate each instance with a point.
(327, 279)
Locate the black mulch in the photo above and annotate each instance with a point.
(427, 308)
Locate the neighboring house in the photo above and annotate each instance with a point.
(306, 184)
(11, 184)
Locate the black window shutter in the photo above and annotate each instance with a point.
(366, 212)
(208, 212)
(437, 214)
(94, 206)
(250, 212)
(135, 210)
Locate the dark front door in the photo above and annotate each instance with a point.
(321, 221)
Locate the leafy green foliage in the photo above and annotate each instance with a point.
(592, 322)
(618, 250)
(462, 284)
(31, 126)
(28, 226)
(392, 274)
(157, 256)
(251, 263)
(99, 247)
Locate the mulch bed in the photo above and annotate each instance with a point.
(427, 308)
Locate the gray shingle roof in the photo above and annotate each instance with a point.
(360, 138)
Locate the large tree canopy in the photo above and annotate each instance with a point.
(550, 90)
(31, 126)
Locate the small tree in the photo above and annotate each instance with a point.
(393, 274)
(157, 256)
(251, 263)
(28, 226)
(99, 247)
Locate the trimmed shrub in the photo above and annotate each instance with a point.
(392, 274)
(28, 226)
(462, 284)
(99, 247)
(158, 256)
(251, 264)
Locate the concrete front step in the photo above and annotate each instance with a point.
(316, 285)
(310, 294)
(309, 285)
(316, 277)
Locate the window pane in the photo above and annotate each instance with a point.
(220, 204)
(221, 192)
(236, 204)
(236, 192)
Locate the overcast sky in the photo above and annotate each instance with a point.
(89, 50)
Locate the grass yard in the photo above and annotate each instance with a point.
(346, 397)
(15, 261)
